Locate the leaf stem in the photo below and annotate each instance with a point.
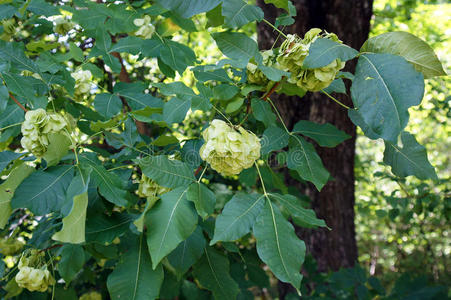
(261, 180)
(222, 115)
(279, 116)
(18, 103)
(328, 95)
(275, 28)
(274, 87)
(202, 175)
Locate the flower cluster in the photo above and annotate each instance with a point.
(37, 127)
(33, 274)
(150, 189)
(146, 28)
(229, 150)
(256, 76)
(62, 25)
(10, 246)
(292, 54)
(82, 82)
(91, 296)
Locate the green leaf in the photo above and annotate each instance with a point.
(110, 185)
(274, 138)
(40, 7)
(324, 51)
(384, 87)
(303, 158)
(238, 13)
(188, 252)
(129, 44)
(73, 230)
(279, 4)
(326, 135)
(104, 229)
(6, 157)
(170, 222)
(107, 105)
(237, 217)
(411, 159)
(43, 191)
(236, 45)
(189, 8)
(166, 172)
(174, 111)
(133, 277)
(139, 101)
(14, 53)
(59, 144)
(7, 11)
(216, 75)
(215, 17)
(72, 260)
(273, 74)
(301, 216)
(407, 45)
(177, 56)
(212, 272)
(337, 86)
(278, 246)
(7, 189)
(263, 112)
(203, 198)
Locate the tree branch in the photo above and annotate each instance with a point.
(18, 103)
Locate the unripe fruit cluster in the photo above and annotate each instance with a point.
(150, 189)
(62, 25)
(37, 127)
(292, 54)
(229, 150)
(256, 76)
(33, 275)
(146, 28)
(91, 296)
(83, 80)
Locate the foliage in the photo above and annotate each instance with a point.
(402, 225)
(125, 74)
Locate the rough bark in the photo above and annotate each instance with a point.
(350, 20)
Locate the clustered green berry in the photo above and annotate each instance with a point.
(37, 127)
(146, 28)
(62, 25)
(33, 273)
(91, 296)
(10, 246)
(292, 54)
(83, 80)
(229, 150)
(256, 76)
(150, 189)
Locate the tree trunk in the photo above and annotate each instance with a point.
(350, 20)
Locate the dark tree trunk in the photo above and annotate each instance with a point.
(350, 20)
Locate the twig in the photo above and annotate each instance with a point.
(18, 103)
(274, 87)
(51, 247)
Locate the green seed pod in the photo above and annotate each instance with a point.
(293, 52)
(62, 25)
(83, 84)
(91, 296)
(229, 150)
(37, 127)
(256, 76)
(146, 28)
(150, 189)
(33, 274)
